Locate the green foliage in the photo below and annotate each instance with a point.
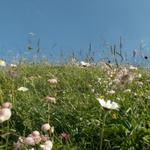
(76, 111)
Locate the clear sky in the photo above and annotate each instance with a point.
(70, 25)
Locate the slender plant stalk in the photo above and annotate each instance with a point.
(48, 113)
(7, 138)
(102, 132)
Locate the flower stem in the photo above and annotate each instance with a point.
(48, 113)
(102, 131)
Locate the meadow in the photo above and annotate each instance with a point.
(65, 105)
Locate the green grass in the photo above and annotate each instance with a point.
(76, 111)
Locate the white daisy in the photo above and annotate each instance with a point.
(109, 104)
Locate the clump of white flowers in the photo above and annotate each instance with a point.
(5, 112)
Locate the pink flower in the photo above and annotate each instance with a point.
(52, 81)
(5, 114)
(46, 127)
(7, 105)
(65, 136)
(50, 99)
(37, 139)
(36, 136)
(35, 133)
(29, 141)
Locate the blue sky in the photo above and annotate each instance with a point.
(70, 25)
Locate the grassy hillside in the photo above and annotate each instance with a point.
(75, 113)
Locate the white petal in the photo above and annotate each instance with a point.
(115, 105)
(24, 89)
(108, 104)
(102, 102)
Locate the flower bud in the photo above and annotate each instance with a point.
(46, 127)
(52, 81)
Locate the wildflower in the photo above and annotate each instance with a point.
(7, 105)
(23, 89)
(29, 141)
(5, 114)
(84, 64)
(65, 136)
(36, 136)
(109, 104)
(52, 81)
(50, 99)
(132, 68)
(46, 127)
(2, 63)
(35, 133)
(13, 65)
(47, 145)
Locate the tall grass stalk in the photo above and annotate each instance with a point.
(102, 131)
